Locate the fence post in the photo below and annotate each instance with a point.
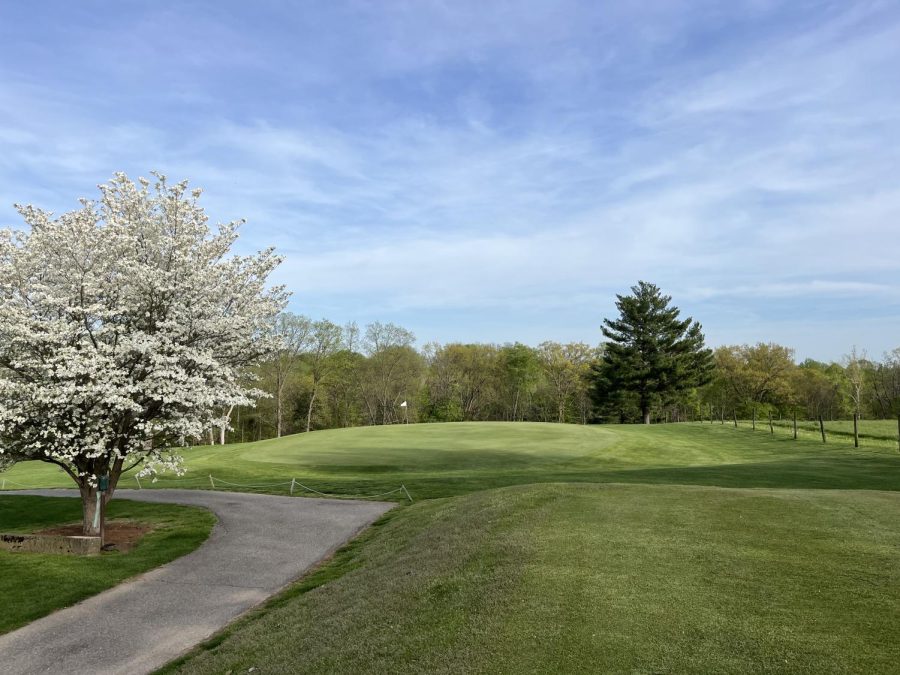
(855, 430)
(212, 484)
(795, 424)
(754, 418)
(822, 428)
(293, 481)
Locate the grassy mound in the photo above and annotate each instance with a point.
(440, 460)
(581, 578)
(33, 585)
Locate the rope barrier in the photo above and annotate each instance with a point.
(225, 482)
(4, 482)
(293, 482)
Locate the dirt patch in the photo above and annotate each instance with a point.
(119, 535)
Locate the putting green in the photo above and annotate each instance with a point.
(438, 460)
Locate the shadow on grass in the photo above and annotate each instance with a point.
(829, 473)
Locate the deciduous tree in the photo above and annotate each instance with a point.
(125, 328)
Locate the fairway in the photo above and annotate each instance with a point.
(563, 548)
(440, 460)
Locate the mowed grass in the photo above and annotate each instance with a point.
(440, 460)
(595, 578)
(32, 585)
(555, 548)
(872, 433)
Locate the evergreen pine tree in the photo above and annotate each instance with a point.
(651, 354)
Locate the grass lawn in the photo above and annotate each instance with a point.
(596, 578)
(555, 548)
(874, 433)
(441, 460)
(32, 585)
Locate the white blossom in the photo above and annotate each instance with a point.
(125, 326)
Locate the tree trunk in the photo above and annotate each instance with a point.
(312, 400)
(646, 414)
(225, 426)
(278, 415)
(92, 521)
(93, 502)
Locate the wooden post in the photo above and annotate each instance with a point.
(855, 430)
(754, 418)
(771, 427)
(795, 424)
(735, 419)
(822, 428)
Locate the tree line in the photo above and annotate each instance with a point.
(331, 376)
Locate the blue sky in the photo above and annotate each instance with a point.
(497, 171)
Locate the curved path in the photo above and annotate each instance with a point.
(260, 544)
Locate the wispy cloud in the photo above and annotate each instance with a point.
(479, 171)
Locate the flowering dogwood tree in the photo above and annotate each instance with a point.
(126, 327)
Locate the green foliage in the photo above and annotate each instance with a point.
(462, 383)
(337, 379)
(884, 385)
(751, 379)
(651, 354)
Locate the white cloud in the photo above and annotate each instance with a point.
(477, 156)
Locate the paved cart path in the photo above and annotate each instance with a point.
(260, 544)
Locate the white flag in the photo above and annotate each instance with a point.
(403, 405)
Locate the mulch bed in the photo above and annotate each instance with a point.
(119, 535)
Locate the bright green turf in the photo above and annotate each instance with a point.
(872, 433)
(673, 565)
(587, 578)
(33, 585)
(438, 460)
